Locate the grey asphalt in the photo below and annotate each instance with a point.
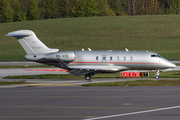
(18, 63)
(77, 103)
(29, 71)
(68, 100)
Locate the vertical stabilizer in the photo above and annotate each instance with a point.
(30, 43)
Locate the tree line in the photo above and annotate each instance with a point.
(22, 10)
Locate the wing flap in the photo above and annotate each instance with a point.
(80, 72)
(84, 70)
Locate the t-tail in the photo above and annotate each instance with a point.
(31, 44)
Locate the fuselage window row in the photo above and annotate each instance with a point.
(118, 58)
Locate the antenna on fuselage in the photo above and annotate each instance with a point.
(126, 49)
(82, 49)
(89, 49)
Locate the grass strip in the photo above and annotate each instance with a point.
(169, 74)
(158, 33)
(12, 83)
(138, 83)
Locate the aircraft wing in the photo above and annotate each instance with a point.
(84, 70)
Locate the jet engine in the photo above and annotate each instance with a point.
(64, 56)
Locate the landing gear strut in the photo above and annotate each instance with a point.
(157, 74)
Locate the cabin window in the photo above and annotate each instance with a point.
(104, 58)
(131, 58)
(117, 58)
(96, 57)
(111, 58)
(124, 58)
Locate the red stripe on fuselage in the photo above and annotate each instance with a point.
(119, 62)
(48, 70)
(132, 63)
(101, 62)
(85, 62)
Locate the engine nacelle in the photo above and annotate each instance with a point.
(64, 56)
(34, 57)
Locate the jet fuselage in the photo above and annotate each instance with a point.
(128, 60)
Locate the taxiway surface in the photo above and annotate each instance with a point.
(30, 71)
(68, 100)
(77, 103)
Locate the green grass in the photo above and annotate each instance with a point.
(138, 83)
(12, 83)
(170, 74)
(158, 33)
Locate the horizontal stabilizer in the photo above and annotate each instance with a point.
(21, 33)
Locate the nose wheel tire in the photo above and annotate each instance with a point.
(157, 76)
(87, 77)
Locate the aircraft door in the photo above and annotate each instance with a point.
(103, 58)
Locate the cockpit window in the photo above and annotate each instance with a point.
(153, 55)
(159, 56)
(156, 56)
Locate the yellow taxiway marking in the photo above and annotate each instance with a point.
(69, 107)
(48, 84)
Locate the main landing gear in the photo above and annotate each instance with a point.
(157, 74)
(88, 76)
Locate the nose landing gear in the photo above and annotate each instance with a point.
(157, 74)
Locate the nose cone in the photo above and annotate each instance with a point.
(171, 65)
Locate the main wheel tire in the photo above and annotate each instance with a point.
(87, 77)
